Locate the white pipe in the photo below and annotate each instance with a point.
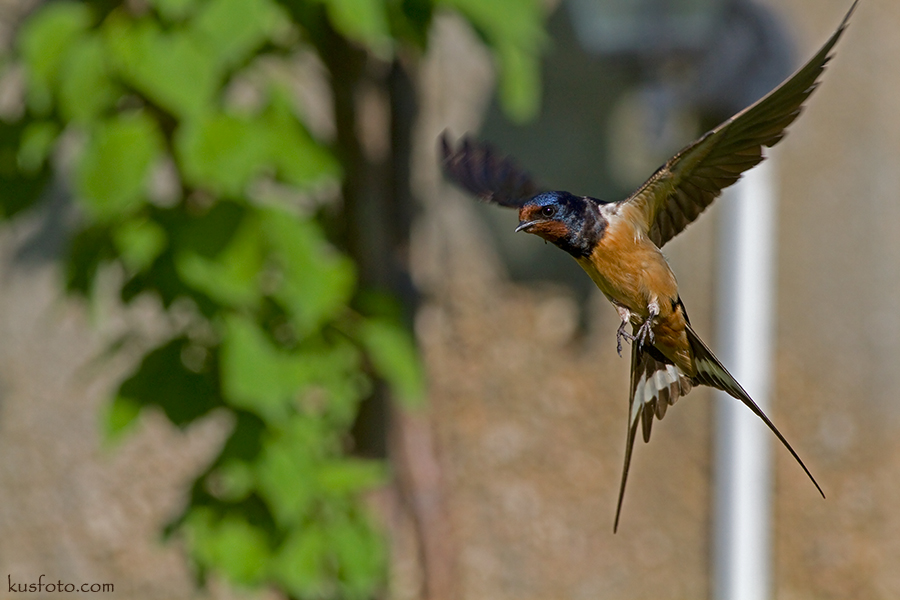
(742, 544)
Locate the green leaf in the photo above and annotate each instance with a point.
(246, 439)
(345, 389)
(113, 172)
(299, 159)
(139, 242)
(45, 42)
(236, 480)
(411, 21)
(319, 380)
(209, 232)
(176, 378)
(231, 277)
(175, 69)
(88, 250)
(509, 21)
(86, 90)
(20, 188)
(361, 556)
(174, 10)
(38, 139)
(225, 153)
(206, 234)
(234, 29)
(286, 477)
(317, 281)
(257, 376)
(229, 545)
(301, 564)
(393, 354)
(514, 28)
(221, 152)
(120, 417)
(348, 476)
(520, 82)
(364, 21)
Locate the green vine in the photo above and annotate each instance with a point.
(173, 177)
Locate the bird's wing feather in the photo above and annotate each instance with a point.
(655, 385)
(477, 168)
(680, 190)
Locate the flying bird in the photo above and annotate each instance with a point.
(618, 242)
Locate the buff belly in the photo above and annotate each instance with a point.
(633, 274)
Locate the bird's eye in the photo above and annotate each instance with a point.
(548, 211)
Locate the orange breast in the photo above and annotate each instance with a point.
(631, 271)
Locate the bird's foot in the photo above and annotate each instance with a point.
(645, 333)
(621, 333)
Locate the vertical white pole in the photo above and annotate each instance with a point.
(742, 555)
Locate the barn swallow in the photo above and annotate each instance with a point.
(618, 243)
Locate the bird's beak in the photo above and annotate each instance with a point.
(525, 225)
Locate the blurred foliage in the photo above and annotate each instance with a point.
(121, 96)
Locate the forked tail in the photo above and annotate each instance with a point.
(656, 384)
(711, 372)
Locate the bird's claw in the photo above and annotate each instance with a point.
(621, 333)
(645, 333)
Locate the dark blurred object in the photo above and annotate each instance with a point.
(738, 47)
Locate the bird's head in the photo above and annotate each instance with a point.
(562, 219)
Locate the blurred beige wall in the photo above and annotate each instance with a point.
(529, 414)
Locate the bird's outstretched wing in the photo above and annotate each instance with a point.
(682, 188)
(478, 169)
